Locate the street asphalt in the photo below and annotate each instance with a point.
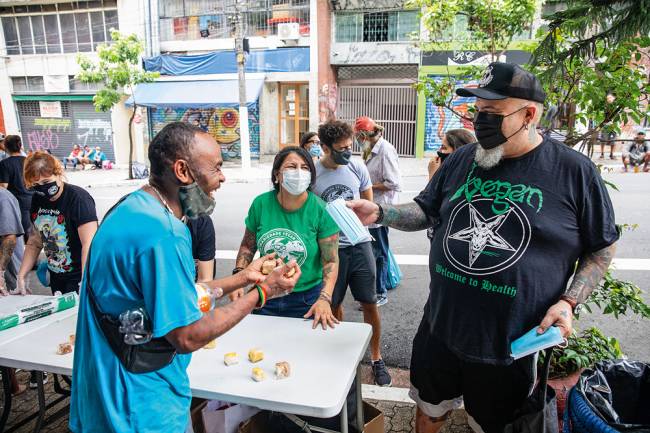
(401, 316)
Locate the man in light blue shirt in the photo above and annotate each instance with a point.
(141, 256)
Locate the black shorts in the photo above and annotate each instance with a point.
(441, 381)
(357, 269)
(64, 284)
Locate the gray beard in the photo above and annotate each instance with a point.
(488, 158)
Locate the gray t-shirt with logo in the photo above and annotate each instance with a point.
(346, 182)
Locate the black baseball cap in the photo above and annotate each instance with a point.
(506, 80)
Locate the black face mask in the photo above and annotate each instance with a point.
(442, 156)
(48, 190)
(487, 127)
(343, 157)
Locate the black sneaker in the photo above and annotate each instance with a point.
(380, 372)
(33, 383)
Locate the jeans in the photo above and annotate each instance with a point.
(380, 250)
(294, 305)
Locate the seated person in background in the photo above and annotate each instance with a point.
(637, 152)
(86, 156)
(204, 247)
(98, 157)
(74, 157)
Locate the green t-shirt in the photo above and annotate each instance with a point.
(292, 235)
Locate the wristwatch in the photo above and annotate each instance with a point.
(571, 301)
(237, 270)
(380, 218)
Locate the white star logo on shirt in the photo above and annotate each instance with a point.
(482, 233)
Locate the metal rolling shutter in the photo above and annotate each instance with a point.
(92, 128)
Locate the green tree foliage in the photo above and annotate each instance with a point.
(491, 27)
(118, 69)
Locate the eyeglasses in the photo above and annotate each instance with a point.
(315, 142)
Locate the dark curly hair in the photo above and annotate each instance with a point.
(13, 143)
(279, 160)
(173, 142)
(334, 131)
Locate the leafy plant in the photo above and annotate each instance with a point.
(118, 69)
(582, 351)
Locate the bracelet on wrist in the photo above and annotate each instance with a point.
(571, 301)
(380, 218)
(325, 297)
(261, 291)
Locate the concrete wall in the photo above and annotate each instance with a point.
(269, 124)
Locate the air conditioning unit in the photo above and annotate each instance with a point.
(289, 31)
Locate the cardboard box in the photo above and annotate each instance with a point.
(220, 417)
(373, 422)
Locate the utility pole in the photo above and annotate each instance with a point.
(244, 136)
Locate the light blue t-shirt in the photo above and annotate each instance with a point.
(346, 182)
(140, 256)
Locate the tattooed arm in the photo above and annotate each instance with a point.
(408, 217)
(322, 308)
(247, 251)
(7, 245)
(591, 268)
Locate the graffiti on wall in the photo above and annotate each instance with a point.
(45, 134)
(93, 132)
(221, 122)
(374, 53)
(438, 120)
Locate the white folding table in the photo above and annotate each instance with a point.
(323, 363)
(25, 337)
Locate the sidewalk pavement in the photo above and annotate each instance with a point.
(260, 171)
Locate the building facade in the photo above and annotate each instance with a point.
(40, 98)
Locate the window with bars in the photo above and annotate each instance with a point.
(33, 84)
(388, 26)
(62, 27)
(33, 108)
(207, 19)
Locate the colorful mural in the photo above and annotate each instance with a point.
(438, 120)
(221, 122)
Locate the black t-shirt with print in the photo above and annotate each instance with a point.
(11, 172)
(506, 241)
(203, 238)
(57, 223)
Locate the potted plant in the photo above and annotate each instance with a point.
(587, 347)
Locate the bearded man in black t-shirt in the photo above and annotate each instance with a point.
(513, 214)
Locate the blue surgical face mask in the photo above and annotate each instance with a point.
(296, 181)
(348, 222)
(315, 151)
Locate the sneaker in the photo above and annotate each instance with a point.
(380, 372)
(382, 300)
(33, 384)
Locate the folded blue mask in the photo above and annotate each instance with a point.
(348, 222)
(532, 342)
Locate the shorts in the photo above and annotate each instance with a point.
(441, 381)
(64, 284)
(358, 270)
(295, 304)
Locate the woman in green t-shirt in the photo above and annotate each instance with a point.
(292, 222)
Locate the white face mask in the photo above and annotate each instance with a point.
(296, 181)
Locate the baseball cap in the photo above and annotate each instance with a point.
(364, 124)
(506, 80)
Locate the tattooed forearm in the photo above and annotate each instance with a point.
(407, 217)
(591, 268)
(247, 249)
(7, 245)
(329, 255)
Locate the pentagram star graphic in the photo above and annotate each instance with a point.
(482, 233)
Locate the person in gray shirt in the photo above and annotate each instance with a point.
(11, 241)
(339, 176)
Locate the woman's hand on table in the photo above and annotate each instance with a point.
(21, 287)
(322, 313)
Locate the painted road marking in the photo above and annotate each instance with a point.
(423, 260)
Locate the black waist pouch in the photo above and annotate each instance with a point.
(142, 358)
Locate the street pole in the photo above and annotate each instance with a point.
(244, 136)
